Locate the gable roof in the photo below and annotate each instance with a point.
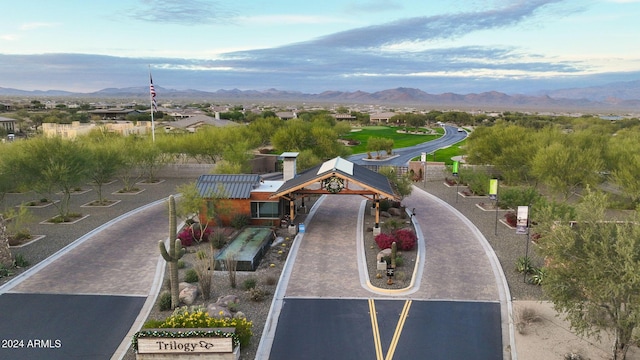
(368, 179)
(228, 186)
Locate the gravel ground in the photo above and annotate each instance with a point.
(60, 235)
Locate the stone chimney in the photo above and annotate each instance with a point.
(289, 165)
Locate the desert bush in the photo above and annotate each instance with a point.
(406, 239)
(511, 198)
(477, 180)
(384, 241)
(238, 221)
(191, 276)
(524, 317)
(164, 302)
(231, 263)
(218, 239)
(257, 294)
(204, 269)
(391, 225)
(181, 264)
(399, 260)
(271, 280)
(20, 261)
(249, 283)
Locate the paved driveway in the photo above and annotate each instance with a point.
(82, 302)
(456, 310)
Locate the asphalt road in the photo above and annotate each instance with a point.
(63, 326)
(404, 155)
(343, 329)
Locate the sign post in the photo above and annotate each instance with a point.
(493, 195)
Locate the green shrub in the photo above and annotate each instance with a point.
(391, 225)
(5, 271)
(240, 220)
(477, 180)
(399, 260)
(250, 283)
(20, 261)
(523, 265)
(191, 276)
(181, 264)
(511, 198)
(152, 324)
(164, 302)
(538, 276)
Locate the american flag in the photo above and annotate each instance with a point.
(152, 90)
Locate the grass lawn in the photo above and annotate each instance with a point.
(399, 140)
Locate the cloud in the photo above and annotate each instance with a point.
(366, 50)
(434, 27)
(184, 12)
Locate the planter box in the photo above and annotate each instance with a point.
(195, 347)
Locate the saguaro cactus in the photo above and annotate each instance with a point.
(175, 252)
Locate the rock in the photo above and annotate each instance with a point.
(226, 300)
(189, 294)
(395, 212)
(219, 312)
(385, 214)
(382, 254)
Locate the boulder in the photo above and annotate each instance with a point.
(219, 312)
(395, 211)
(226, 300)
(382, 254)
(385, 214)
(188, 294)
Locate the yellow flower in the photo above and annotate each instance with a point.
(280, 252)
(272, 265)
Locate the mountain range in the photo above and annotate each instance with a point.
(614, 97)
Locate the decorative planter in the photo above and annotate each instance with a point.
(218, 343)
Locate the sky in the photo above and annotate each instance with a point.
(438, 46)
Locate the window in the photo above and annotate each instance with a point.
(265, 209)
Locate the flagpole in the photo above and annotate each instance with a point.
(152, 107)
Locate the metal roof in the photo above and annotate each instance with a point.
(345, 169)
(230, 186)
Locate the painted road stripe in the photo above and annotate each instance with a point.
(376, 330)
(396, 334)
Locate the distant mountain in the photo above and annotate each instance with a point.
(612, 97)
(16, 92)
(613, 92)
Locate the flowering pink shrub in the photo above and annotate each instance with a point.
(384, 241)
(406, 239)
(185, 237)
(191, 234)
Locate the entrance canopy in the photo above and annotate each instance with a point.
(337, 176)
